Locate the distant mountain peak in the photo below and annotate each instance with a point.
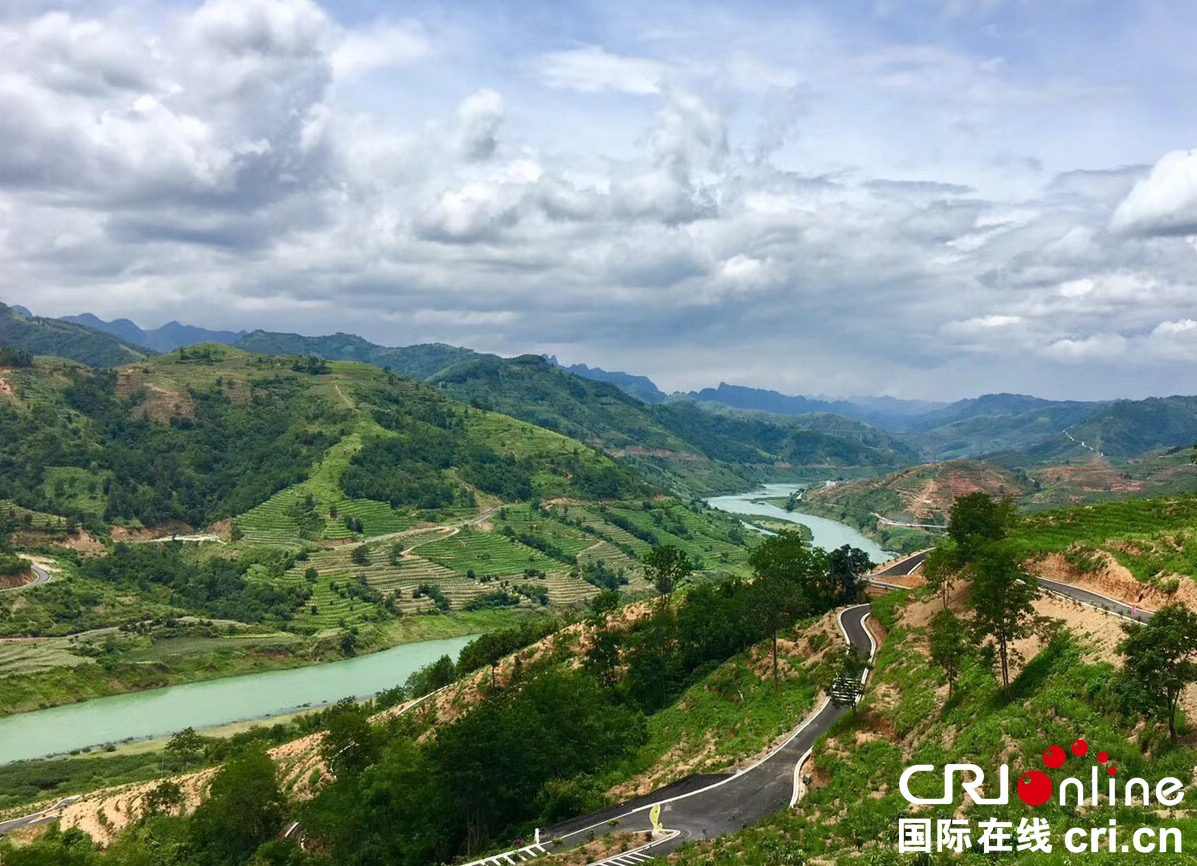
(640, 387)
(173, 335)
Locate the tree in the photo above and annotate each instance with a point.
(948, 645)
(977, 520)
(845, 567)
(162, 799)
(666, 566)
(941, 568)
(5, 530)
(244, 809)
(1161, 659)
(186, 746)
(350, 744)
(784, 565)
(396, 553)
(360, 555)
(847, 686)
(1001, 602)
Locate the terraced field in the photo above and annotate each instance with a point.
(32, 658)
(487, 554)
(607, 531)
(1093, 524)
(271, 523)
(1154, 539)
(377, 518)
(522, 519)
(711, 551)
(28, 517)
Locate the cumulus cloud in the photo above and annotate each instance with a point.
(1165, 202)
(478, 120)
(855, 216)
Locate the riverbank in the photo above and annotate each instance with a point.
(896, 539)
(826, 533)
(254, 697)
(57, 672)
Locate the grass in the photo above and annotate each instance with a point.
(27, 782)
(32, 658)
(851, 813)
(730, 715)
(75, 489)
(1153, 538)
(487, 554)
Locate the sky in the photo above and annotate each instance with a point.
(928, 199)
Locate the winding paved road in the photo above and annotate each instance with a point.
(735, 801)
(40, 576)
(702, 807)
(50, 813)
(707, 806)
(903, 567)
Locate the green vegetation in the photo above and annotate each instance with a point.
(216, 587)
(12, 565)
(678, 445)
(23, 337)
(903, 720)
(1153, 538)
(1161, 661)
(415, 362)
(486, 554)
(547, 736)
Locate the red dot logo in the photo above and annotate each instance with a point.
(1034, 788)
(1053, 756)
(1102, 757)
(1112, 770)
(1080, 748)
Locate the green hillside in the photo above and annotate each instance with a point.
(416, 362)
(675, 436)
(211, 432)
(1067, 688)
(662, 441)
(40, 336)
(339, 506)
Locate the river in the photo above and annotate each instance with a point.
(141, 715)
(828, 534)
(156, 713)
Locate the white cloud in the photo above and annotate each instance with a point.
(1165, 202)
(593, 70)
(886, 217)
(384, 45)
(478, 120)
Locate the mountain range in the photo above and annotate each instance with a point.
(628, 413)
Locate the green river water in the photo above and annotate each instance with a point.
(156, 713)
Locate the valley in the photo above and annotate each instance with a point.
(233, 541)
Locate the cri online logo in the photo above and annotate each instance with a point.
(1035, 787)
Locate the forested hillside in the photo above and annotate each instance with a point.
(532, 389)
(40, 336)
(210, 432)
(416, 362)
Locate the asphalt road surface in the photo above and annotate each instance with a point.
(702, 807)
(733, 802)
(40, 576)
(44, 817)
(904, 567)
